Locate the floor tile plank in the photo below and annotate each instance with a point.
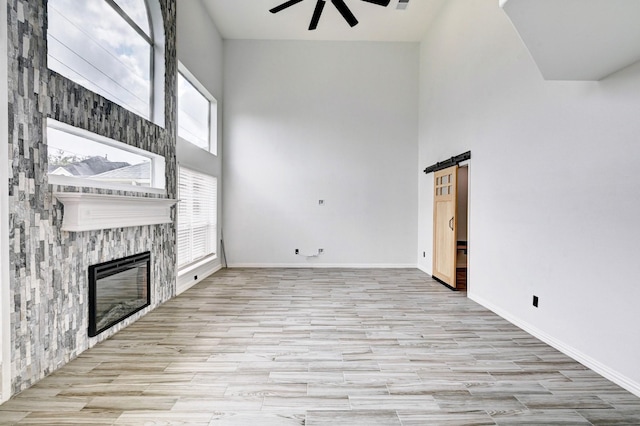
(293, 347)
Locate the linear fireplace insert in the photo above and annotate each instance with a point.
(117, 290)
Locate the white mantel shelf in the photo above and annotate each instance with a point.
(89, 212)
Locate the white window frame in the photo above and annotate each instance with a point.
(213, 109)
(156, 40)
(158, 180)
(208, 257)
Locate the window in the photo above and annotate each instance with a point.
(197, 113)
(197, 216)
(77, 157)
(110, 47)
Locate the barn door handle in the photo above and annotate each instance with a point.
(451, 223)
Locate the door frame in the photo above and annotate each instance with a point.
(461, 160)
(446, 275)
(467, 164)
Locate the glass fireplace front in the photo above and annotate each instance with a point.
(117, 290)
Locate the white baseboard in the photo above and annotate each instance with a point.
(581, 357)
(186, 279)
(325, 265)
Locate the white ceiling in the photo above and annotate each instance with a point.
(578, 39)
(251, 19)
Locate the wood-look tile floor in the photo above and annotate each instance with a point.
(322, 347)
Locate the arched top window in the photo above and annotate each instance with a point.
(112, 47)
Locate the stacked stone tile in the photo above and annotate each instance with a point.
(48, 276)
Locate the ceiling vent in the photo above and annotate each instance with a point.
(402, 4)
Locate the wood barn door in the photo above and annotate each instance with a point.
(445, 225)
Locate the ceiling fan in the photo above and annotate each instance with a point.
(339, 4)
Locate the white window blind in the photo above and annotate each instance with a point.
(197, 216)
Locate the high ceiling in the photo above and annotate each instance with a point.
(251, 19)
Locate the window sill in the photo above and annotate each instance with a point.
(90, 183)
(89, 212)
(197, 264)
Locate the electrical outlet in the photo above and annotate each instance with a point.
(195, 277)
(297, 251)
(424, 254)
(535, 301)
(321, 202)
(320, 250)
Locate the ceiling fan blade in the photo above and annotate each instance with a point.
(384, 3)
(316, 15)
(284, 6)
(345, 12)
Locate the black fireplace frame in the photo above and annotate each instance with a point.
(106, 269)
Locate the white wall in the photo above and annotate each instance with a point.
(200, 50)
(306, 121)
(553, 185)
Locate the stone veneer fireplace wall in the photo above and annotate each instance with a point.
(48, 274)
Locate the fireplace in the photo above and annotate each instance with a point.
(117, 290)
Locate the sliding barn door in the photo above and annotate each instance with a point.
(445, 225)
